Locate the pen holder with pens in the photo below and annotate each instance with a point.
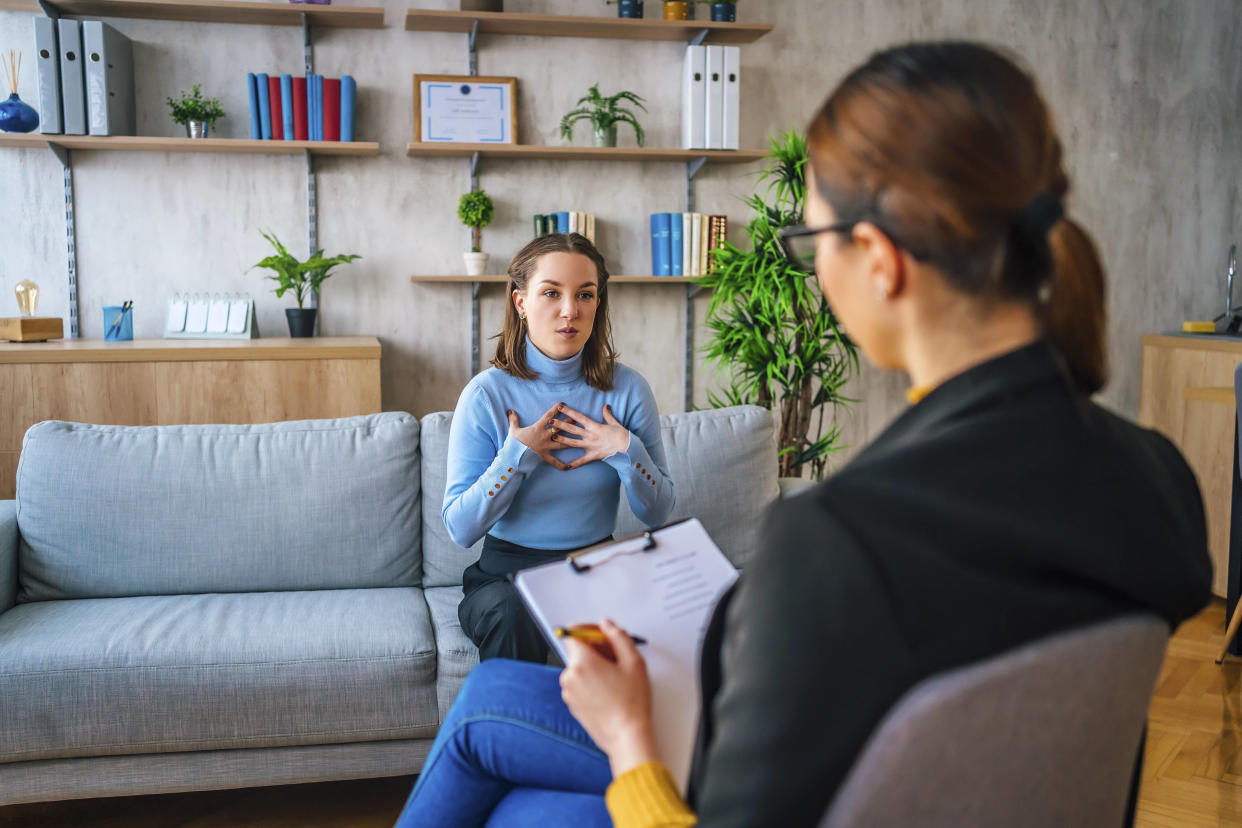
(119, 322)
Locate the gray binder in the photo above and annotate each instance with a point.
(109, 79)
(72, 77)
(47, 58)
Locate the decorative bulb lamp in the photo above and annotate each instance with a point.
(28, 327)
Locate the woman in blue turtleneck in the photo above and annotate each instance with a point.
(543, 442)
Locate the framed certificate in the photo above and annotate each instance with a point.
(465, 109)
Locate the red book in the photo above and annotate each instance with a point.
(278, 112)
(299, 109)
(331, 109)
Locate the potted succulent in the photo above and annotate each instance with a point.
(475, 211)
(676, 10)
(722, 12)
(196, 112)
(604, 115)
(627, 8)
(303, 278)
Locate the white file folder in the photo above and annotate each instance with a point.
(732, 81)
(109, 79)
(72, 77)
(693, 90)
(714, 107)
(47, 58)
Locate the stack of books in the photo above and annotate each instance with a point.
(79, 96)
(310, 108)
(711, 78)
(682, 243)
(566, 221)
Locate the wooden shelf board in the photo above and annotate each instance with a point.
(191, 350)
(214, 11)
(556, 25)
(500, 279)
(429, 149)
(147, 143)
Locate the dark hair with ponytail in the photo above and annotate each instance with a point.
(949, 149)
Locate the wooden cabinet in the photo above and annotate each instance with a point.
(1187, 395)
(176, 382)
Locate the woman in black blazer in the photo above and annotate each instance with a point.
(1002, 507)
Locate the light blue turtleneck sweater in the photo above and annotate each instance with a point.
(498, 485)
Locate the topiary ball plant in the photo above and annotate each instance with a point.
(475, 211)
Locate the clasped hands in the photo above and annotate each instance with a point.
(597, 439)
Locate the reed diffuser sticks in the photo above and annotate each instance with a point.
(13, 69)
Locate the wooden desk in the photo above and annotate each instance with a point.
(1187, 395)
(174, 382)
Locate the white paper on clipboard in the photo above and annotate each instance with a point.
(665, 594)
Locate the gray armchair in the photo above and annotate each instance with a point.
(1046, 734)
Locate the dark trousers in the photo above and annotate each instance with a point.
(492, 613)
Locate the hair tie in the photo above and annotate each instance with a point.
(1039, 217)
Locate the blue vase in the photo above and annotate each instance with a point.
(724, 12)
(17, 116)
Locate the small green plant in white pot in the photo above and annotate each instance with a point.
(475, 211)
(196, 112)
(604, 115)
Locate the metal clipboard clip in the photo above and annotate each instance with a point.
(648, 545)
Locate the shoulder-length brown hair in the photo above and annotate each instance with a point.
(599, 358)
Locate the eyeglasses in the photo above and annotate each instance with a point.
(798, 242)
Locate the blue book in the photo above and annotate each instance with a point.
(318, 107)
(562, 222)
(265, 108)
(349, 92)
(286, 105)
(661, 226)
(310, 108)
(256, 128)
(674, 232)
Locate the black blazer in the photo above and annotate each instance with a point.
(1004, 507)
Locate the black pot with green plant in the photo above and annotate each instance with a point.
(771, 327)
(197, 113)
(303, 278)
(627, 8)
(604, 115)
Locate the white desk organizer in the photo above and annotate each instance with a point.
(211, 316)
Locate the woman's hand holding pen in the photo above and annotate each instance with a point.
(598, 440)
(612, 699)
(539, 436)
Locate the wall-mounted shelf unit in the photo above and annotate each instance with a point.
(146, 143)
(613, 280)
(608, 28)
(530, 152)
(212, 11)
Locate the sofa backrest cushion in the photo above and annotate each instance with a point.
(443, 560)
(108, 511)
(725, 471)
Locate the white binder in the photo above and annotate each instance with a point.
(732, 82)
(47, 56)
(714, 106)
(693, 90)
(72, 76)
(687, 244)
(109, 79)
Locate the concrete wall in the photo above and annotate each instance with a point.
(1148, 97)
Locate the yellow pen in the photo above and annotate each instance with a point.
(589, 634)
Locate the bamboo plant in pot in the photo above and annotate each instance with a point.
(475, 211)
(604, 115)
(303, 278)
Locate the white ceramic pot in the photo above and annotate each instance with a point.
(476, 263)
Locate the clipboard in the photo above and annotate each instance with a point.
(662, 585)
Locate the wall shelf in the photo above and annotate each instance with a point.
(146, 143)
(213, 11)
(501, 279)
(431, 149)
(608, 28)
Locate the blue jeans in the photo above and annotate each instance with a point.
(510, 754)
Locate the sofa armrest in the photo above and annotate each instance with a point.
(8, 554)
(793, 485)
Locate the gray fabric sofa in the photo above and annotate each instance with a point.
(198, 607)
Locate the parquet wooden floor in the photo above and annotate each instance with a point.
(1192, 775)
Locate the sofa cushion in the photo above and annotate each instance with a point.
(725, 470)
(158, 674)
(443, 560)
(317, 504)
(456, 655)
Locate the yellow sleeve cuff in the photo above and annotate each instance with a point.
(647, 797)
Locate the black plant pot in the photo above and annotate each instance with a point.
(724, 12)
(301, 321)
(630, 8)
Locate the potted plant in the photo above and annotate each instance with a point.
(475, 211)
(676, 10)
(772, 327)
(604, 115)
(196, 112)
(627, 8)
(722, 12)
(303, 278)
